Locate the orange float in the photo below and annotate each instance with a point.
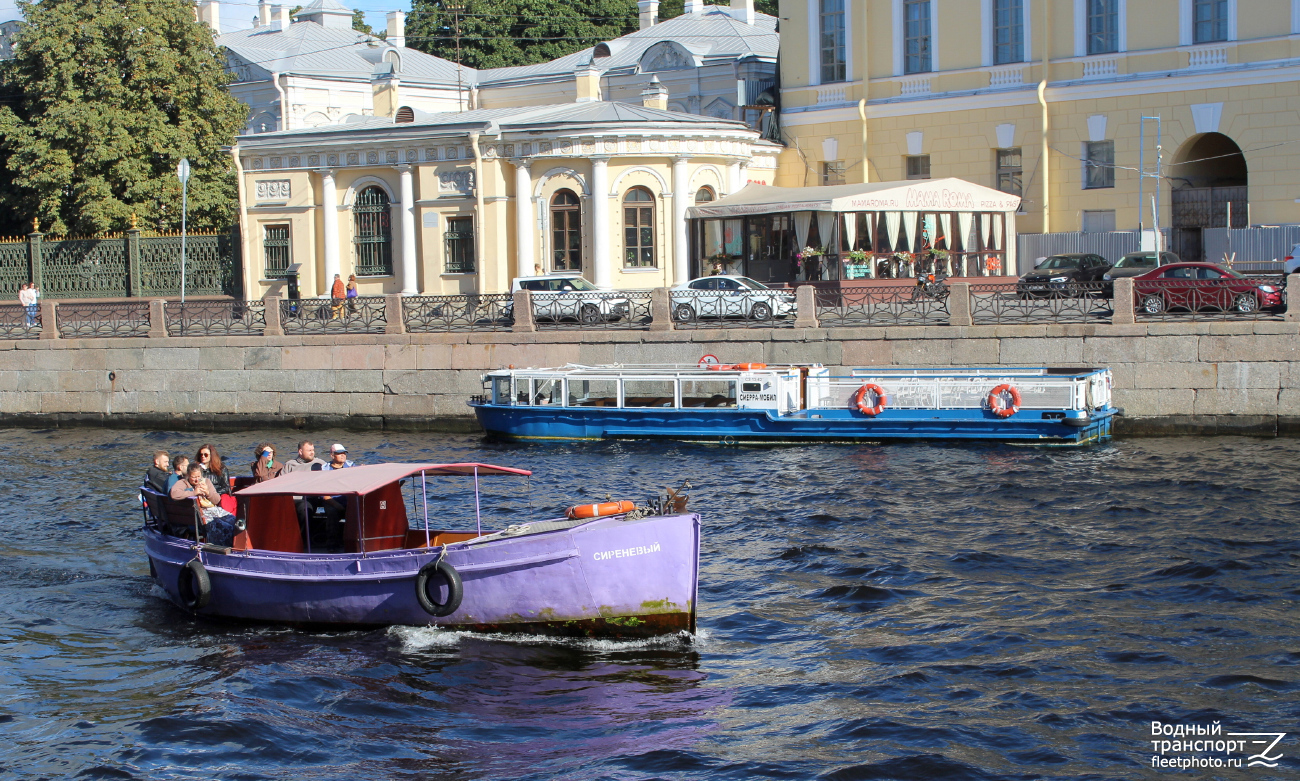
(999, 406)
(860, 400)
(736, 367)
(601, 510)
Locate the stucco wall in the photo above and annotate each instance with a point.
(1170, 378)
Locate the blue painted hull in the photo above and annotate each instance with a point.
(733, 425)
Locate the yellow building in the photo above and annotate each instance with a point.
(1046, 98)
(464, 202)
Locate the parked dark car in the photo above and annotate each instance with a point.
(1063, 275)
(1200, 286)
(1136, 263)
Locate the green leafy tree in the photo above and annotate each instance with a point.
(113, 94)
(503, 33)
(359, 22)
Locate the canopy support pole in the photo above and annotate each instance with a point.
(424, 489)
(478, 513)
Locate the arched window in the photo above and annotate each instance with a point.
(704, 195)
(566, 232)
(638, 228)
(374, 233)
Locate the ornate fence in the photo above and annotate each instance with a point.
(361, 315)
(882, 305)
(624, 309)
(215, 318)
(1228, 298)
(120, 318)
(472, 312)
(17, 322)
(122, 265)
(694, 309)
(1081, 302)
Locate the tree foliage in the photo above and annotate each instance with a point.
(503, 33)
(111, 95)
(359, 22)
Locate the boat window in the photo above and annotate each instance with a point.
(593, 393)
(648, 393)
(500, 390)
(708, 393)
(751, 387)
(548, 391)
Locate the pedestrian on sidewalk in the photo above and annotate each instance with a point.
(338, 293)
(27, 297)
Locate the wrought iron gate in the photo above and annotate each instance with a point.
(1198, 208)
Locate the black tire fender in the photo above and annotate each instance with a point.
(455, 588)
(194, 585)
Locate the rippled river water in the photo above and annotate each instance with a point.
(898, 612)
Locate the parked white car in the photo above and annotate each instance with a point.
(1291, 264)
(571, 297)
(726, 295)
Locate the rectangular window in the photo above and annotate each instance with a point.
(1103, 26)
(1210, 20)
(833, 172)
(593, 393)
(916, 36)
(648, 393)
(1008, 31)
(1008, 170)
(1100, 221)
(708, 393)
(832, 41)
(459, 243)
(918, 167)
(1098, 164)
(275, 250)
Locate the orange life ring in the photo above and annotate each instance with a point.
(860, 400)
(601, 510)
(998, 406)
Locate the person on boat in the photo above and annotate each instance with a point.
(219, 525)
(306, 461)
(156, 476)
(264, 466)
(213, 468)
(179, 466)
(338, 457)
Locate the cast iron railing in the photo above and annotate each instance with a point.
(881, 305)
(624, 309)
(1073, 302)
(116, 319)
(19, 322)
(693, 309)
(472, 312)
(1245, 298)
(361, 315)
(215, 318)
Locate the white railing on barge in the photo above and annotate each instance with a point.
(964, 388)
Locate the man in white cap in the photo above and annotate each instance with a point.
(338, 457)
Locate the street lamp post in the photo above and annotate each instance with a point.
(183, 173)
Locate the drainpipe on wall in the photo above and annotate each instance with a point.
(1042, 101)
(866, 166)
(284, 108)
(479, 244)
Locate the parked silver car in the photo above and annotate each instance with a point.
(726, 295)
(571, 297)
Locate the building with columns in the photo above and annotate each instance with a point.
(460, 202)
(1047, 99)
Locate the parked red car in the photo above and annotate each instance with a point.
(1198, 286)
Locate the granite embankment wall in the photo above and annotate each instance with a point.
(1171, 378)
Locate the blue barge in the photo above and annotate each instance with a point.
(797, 403)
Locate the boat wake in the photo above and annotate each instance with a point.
(415, 639)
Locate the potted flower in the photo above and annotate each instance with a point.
(856, 265)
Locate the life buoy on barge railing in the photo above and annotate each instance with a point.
(999, 405)
(601, 510)
(860, 400)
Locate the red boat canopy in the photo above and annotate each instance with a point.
(362, 480)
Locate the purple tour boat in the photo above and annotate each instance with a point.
(609, 570)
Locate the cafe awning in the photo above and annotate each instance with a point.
(927, 195)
